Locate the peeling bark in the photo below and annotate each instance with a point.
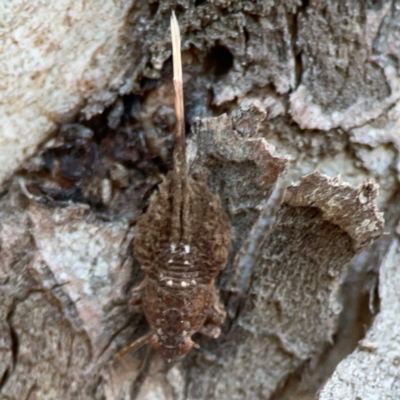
(289, 309)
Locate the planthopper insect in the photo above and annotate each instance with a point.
(182, 243)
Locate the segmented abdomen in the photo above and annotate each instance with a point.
(202, 248)
(181, 269)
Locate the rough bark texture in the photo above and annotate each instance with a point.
(371, 372)
(281, 98)
(57, 59)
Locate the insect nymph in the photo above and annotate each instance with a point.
(182, 243)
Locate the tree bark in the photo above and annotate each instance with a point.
(280, 100)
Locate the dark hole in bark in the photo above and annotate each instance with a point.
(219, 60)
(154, 7)
(4, 378)
(14, 345)
(299, 68)
(246, 34)
(148, 83)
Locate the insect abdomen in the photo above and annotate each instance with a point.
(205, 236)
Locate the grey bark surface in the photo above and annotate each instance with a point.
(371, 370)
(281, 98)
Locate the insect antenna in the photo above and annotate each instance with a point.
(180, 214)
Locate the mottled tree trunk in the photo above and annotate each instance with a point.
(281, 98)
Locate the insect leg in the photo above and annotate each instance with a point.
(137, 343)
(210, 330)
(135, 302)
(215, 318)
(216, 314)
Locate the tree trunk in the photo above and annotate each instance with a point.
(281, 98)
